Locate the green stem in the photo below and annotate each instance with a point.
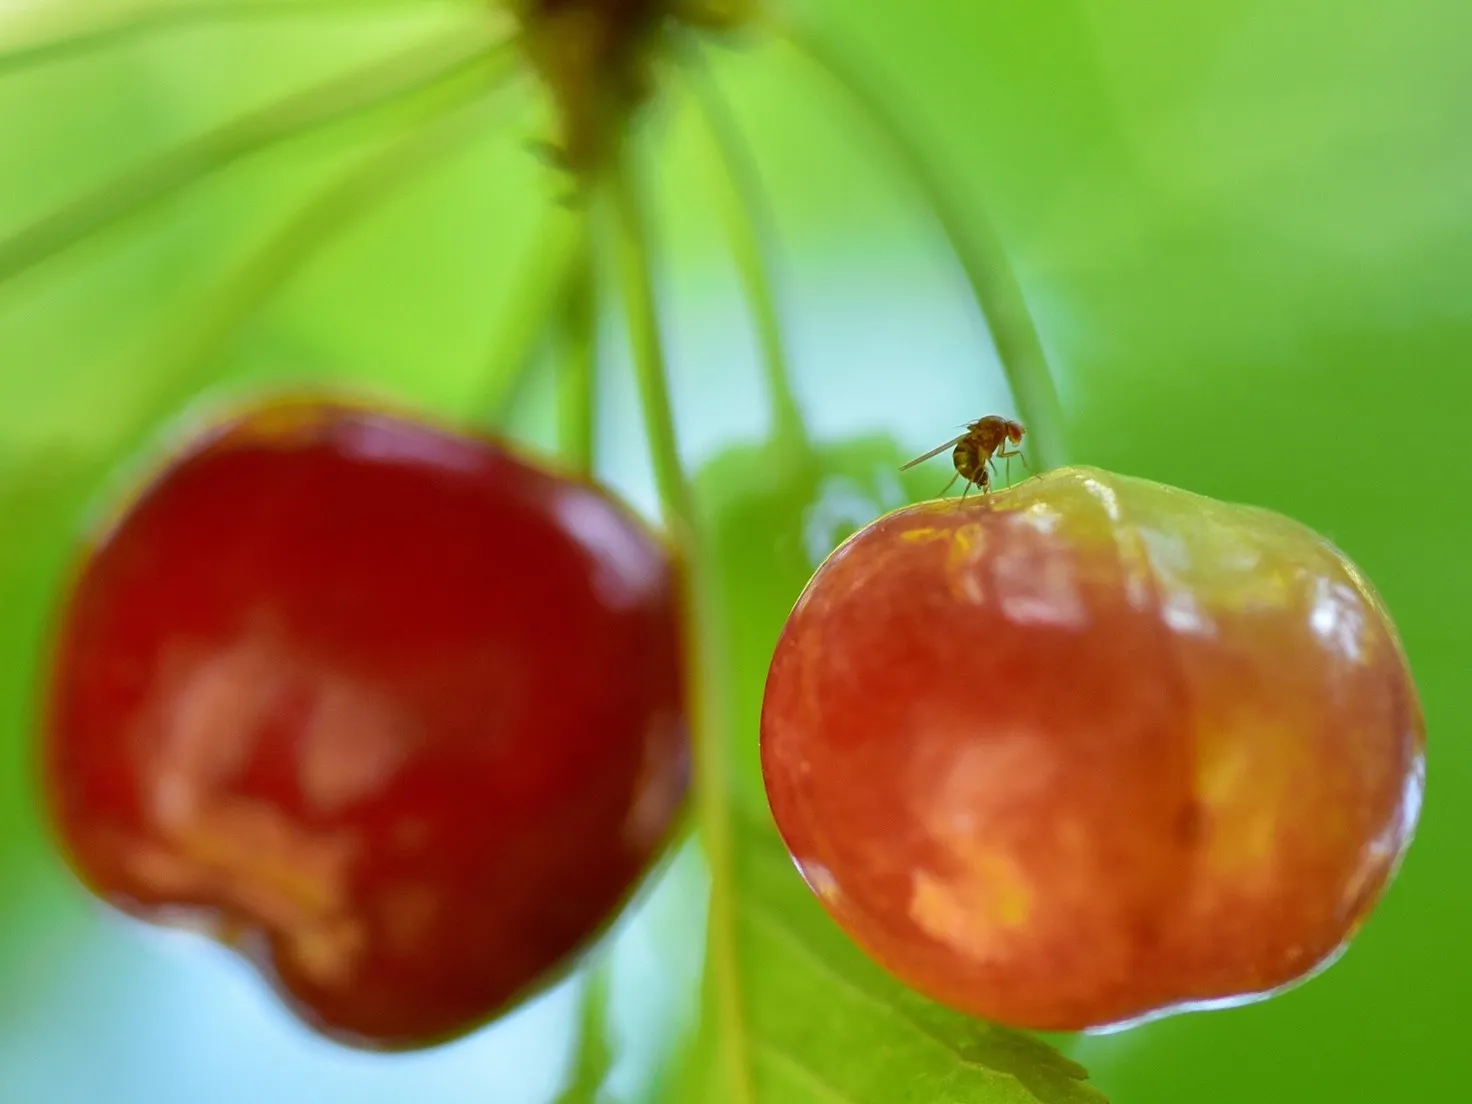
(974, 240)
(577, 384)
(525, 322)
(66, 44)
(213, 324)
(636, 278)
(385, 82)
(746, 219)
(703, 660)
(594, 1058)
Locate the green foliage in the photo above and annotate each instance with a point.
(1242, 229)
(826, 1023)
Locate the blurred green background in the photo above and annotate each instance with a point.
(1244, 227)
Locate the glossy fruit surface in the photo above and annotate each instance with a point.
(395, 713)
(1092, 749)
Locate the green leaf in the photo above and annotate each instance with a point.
(827, 1024)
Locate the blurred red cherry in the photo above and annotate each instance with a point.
(1092, 749)
(393, 712)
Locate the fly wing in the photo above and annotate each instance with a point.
(952, 443)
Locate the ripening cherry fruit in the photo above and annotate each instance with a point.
(394, 713)
(1092, 749)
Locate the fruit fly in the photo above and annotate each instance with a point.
(984, 442)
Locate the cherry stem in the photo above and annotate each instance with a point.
(577, 384)
(636, 280)
(594, 1058)
(61, 45)
(973, 239)
(704, 658)
(550, 273)
(421, 69)
(440, 130)
(747, 220)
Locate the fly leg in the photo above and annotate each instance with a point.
(1017, 452)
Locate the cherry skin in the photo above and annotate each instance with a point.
(1092, 749)
(391, 711)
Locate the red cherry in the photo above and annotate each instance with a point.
(394, 713)
(1092, 749)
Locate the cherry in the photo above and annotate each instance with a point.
(1092, 749)
(394, 713)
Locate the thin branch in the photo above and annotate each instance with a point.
(385, 82)
(747, 223)
(636, 279)
(550, 268)
(62, 45)
(594, 1057)
(577, 385)
(974, 240)
(704, 659)
(216, 321)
